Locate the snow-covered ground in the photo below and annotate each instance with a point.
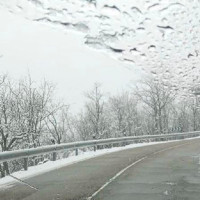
(50, 165)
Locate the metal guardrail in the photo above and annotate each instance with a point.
(26, 153)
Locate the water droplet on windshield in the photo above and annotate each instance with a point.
(152, 48)
(146, 33)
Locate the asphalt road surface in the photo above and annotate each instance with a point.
(169, 171)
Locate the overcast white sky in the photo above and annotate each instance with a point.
(60, 57)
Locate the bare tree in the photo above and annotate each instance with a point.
(156, 97)
(34, 106)
(24, 106)
(11, 136)
(59, 126)
(92, 122)
(83, 126)
(95, 110)
(6, 121)
(124, 115)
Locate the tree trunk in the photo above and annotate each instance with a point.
(6, 168)
(2, 172)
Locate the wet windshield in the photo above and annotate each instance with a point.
(103, 92)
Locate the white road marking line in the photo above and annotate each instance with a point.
(114, 177)
(23, 182)
(126, 168)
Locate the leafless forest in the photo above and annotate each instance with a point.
(30, 115)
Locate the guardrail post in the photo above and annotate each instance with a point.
(25, 164)
(76, 152)
(123, 143)
(95, 147)
(54, 156)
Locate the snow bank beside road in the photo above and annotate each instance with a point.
(52, 165)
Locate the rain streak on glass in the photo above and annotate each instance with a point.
(162, 37)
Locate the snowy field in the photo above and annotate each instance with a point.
(50, 165)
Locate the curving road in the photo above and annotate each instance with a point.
(169, 171)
